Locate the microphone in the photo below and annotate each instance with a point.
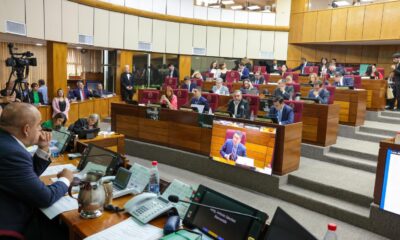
(175, 199)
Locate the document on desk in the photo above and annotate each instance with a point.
(183, 191)
(53, 170)
(129, 229)
(64, 204)
(139, 179)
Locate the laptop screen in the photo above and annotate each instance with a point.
(122, 178)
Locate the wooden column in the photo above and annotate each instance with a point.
(185, 66)
(123, 58)
(56, 68)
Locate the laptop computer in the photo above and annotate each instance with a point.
(88, 133)
(120, 184)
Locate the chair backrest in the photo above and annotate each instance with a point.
(232, 76)
(254, 102)
(267, 77)
(207, 75)
(357, 81)
(381, 70)
(152, 96)
(311, 69)
(170, 81)
(296, 87)
(297, 107)
(212, 99)
(294, 75)
(198, 82)
(182, 96)
(348, 70)
(331, 90)
(261, 69)
(10, 234)
(229, 86)
(229, 135)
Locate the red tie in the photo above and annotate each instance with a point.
(83, 95)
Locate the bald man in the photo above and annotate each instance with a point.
(127, 84)
(21, 190)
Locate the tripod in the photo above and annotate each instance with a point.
(20, 88)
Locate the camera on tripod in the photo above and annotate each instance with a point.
(25, 60)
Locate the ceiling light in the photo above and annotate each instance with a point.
(366, 1)
(228, 2)
(253, 7)
(78, 47)
(237, 7)
(341, 3)
(215, 6)
(39, 44)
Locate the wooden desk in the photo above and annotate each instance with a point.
(376, 94)
(320, 123)
(115, 142)
(181, 130)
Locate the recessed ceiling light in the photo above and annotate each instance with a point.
(341, 3)
(253, 7)
(228, 2)
(237, 7)
(39, 44)
(78, 47)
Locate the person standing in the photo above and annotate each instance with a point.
(396, 78)
(43, 91)
(127, 84)
(60, 104)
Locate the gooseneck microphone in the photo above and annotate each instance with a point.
(175, 199)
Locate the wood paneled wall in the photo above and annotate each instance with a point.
(368, 22)
(380, 55)
(185, 66)
(36, 73)
(56, 67)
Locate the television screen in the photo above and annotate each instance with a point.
(391, 181)
(244, 145)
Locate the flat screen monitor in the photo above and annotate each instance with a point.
(88, 133)
(254, 141)
(284, 227)
(391, 181)
(222, 225)
(97, 158)
(363, 69)
(61, 139)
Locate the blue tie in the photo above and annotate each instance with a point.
(280, 115)
(234, 150)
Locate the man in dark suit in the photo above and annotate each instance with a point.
(127, 84)
(21, 190)
(301, 67)
(84, 124)
(199, 100)
(281, 111)
(99, 92)
(283, 91)
(258, 78)
(334, 69)
(319, 93)
(396, 78)
(188, 85)
(173, 72)
(238, 107)
(233, 148)
(340, 81)
(244, 71)
(81, 92)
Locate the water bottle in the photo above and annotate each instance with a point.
(331, 233)
(252, 116)
(154, 183)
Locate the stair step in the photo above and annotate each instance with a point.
(353, 153)
(333, 207)
(349, 161)
(393, 114)
(329, 190)
(386, 119)
(371, 137)
(378, 131)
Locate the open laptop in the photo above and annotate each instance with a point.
(88, 133)
(120, 184)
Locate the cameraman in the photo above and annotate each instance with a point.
(6, 93)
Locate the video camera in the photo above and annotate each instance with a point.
(26, 58)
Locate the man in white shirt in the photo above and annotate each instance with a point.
(219, 88)
(238, 107)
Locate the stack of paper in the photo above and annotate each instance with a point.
(53, 170)
(64, 204)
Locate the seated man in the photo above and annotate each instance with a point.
(319, 93)
(333, 69)
(244, 71)
(219, 88)
(281, 111)
(99, 92)
(81, 92)
(341, 81)
(84, 124)
(187, 84)
(238, 107)
(283, 91)
(258, 78)
(233, 148)
(199, 100)
(21, 189)
(57, 123)
(248, 88)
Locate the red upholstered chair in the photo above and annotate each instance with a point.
(10, 234)
(297, 109)
(212, 99)
(152, 96)
(357, 81)
(254, 102)
(182, 96)
(229, 135)
(232, 76)
(207, 75)
(331, 90)
(267, 77)
(311, 69)
(294, 75)
(261, 69)
(170, 81)
(348, 70)
(198, 82)
(381, 70)
(296, 88)
(229, 86)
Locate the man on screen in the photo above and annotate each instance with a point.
(233, 148)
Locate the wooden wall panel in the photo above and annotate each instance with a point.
(294, 52)
(372, 22)
(323, 28)
(323, 51)
(370, 54)
(339, 52)
(391, 16)
(355, 20)
(309, 26)
(353, 54)
(56, 67)
(185, 63)
(296, 27)
(309, 53)
(385, 54)
(338, 24)
(299, 6)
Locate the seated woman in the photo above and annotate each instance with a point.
(248, 88)
(170, 99)
(197, 75)
(373, 72)
(82, 124)
(56, 123)
(60, 103)
(283, 70)
(213, 68)
(35, 97)
(221, 72)
(313, 78)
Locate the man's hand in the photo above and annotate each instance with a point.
(393, 67)
(67, 174)
(44, 141)
(316, 93)
(227, 156)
